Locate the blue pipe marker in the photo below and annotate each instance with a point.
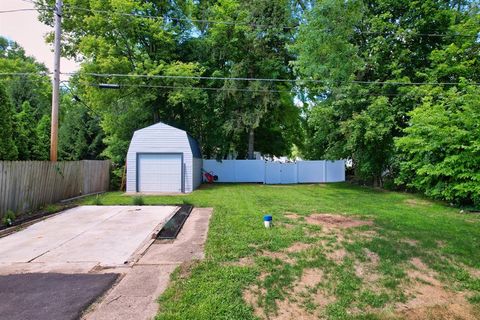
(267, 221)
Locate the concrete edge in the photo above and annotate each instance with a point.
(143, 247)
(100, 298)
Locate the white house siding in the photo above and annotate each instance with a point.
(159, 138)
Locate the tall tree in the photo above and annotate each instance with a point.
(29, 94)
(157, 38)
(80, 135)
(25, 133)
(41, 150)
(357, 51)
(119, 43)
(250, 41)
(440, 151)
(8, 150)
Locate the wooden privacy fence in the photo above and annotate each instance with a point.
(28, 185)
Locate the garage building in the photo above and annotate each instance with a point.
(162, 158)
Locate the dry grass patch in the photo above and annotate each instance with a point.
(292, 215)
(337, 255)
(367, 270)
(304, 290)
(429, 298)
(417, 202)
(332, 221)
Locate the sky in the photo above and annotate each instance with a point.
(25, 29)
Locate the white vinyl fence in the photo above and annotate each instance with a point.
(260, 171)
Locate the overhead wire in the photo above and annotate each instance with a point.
(250, 24)
(23, 10)
(123, 75)
(253, 24)
(113, 75)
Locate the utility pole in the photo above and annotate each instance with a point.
(56, 82)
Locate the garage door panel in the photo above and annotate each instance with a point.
(159, 172)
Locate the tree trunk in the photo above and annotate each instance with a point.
(251, 141)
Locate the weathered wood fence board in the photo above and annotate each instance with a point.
(28, 185)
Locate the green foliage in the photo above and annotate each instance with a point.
(440, 153)
(8, 218)
(25, 134)
(98, 200)
(138, 201)
(8, 150)
(324, 41)
(80, 135)
(347, 44)
(42, 148)
(221, 120)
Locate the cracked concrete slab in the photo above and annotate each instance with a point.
(105, 235)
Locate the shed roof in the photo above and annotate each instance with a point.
(193, 143)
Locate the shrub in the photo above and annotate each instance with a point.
(98, 200)
(138, 201)
(439, 155)
(8, 218)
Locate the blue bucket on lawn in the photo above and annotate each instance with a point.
(267, 221)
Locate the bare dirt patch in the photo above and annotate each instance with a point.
(473, 272)
(251, 296)
(288, 310)
(332, 221)
(310, 278)
(242, 262)
(429, 298)
(291, 307)
(284, 254)
(454, 311)
(372, 257)
(337, 255)
(298, 246)
(367, 270)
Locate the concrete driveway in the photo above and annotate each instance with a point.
(56, 268)
(81, 238)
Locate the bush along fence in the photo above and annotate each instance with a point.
(28, 185)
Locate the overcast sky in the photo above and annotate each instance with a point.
(24, 28)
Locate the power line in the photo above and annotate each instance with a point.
(252, 24)
(267, 79)
(416, 83)
(182, 77)
(22, 10)
(25, 73)
(180, 19)
(118, 86)
(120, 75)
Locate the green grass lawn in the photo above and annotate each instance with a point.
(408, 252)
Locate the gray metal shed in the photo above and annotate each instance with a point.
(162, 158)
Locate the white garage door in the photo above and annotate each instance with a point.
(159, 172)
